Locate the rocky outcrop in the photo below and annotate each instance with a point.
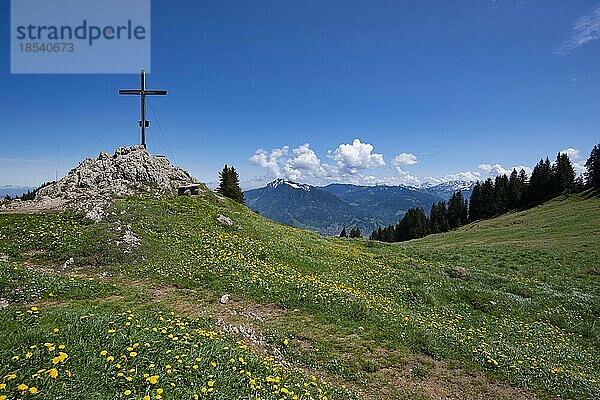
(95, 181)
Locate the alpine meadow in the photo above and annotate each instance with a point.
(292, 200)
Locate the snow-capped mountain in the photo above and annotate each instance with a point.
(13, 191)
(446, 189)
(293, 185)
(308, 207)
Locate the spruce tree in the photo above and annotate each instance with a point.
(343, 233)
(456, 211)
(355, 233)
(433, 219)
(443, 217)
(224, 182)
(234, 184)
(564, 174)
(476, 204)
(514, 190)
(500, 201)
(592, 165)
(229, 185)
(464, 212)
(539, 182)
(524, 182)
(487, 191)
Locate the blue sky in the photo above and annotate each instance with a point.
(364, 92)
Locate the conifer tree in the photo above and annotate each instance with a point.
(592, 166)
(434, 226)
(343, 233)
(514, 190)
(487, 191)
(438, 219)
(540, 183)
(224, 181)
(229, 185)
(524, 182)
(476, 204)
(563, 173)
(456, 211)
(500, 202)
(355, 233)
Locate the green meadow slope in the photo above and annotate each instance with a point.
(504, 308)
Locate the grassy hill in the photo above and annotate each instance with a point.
(505, 308)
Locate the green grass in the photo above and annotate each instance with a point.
(516, 297)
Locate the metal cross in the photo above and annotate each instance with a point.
(142, 92)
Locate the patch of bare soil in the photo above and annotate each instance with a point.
(425, 377)
(34, 207)
(238, 318)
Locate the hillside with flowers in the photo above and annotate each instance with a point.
(199, 297)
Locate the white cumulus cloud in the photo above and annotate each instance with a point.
(304, 159)
(572, 153)
(497, 169)
(269, 161)
(355, 157)
(404, 159)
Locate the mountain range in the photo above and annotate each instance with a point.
(12, 191)
(330, 208)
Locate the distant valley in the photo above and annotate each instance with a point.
(12, 191)
(330, 208)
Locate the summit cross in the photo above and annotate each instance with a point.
(142, 92)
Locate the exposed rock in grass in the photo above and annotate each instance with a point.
(224, 220)
(129, 240)
(90, 186)
(458, 273)
(3, 303)
(69, 262)
(224, 299)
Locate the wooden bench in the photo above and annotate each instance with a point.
(188, 190)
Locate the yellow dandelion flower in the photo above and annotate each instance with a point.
(53, 373)
(127, 392)
(22, 387)
(153, 379)
(33, 390)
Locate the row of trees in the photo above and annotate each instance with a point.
(416, 224)
(494, 197)
(30, 195)
(354, 233)
(505, 193)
